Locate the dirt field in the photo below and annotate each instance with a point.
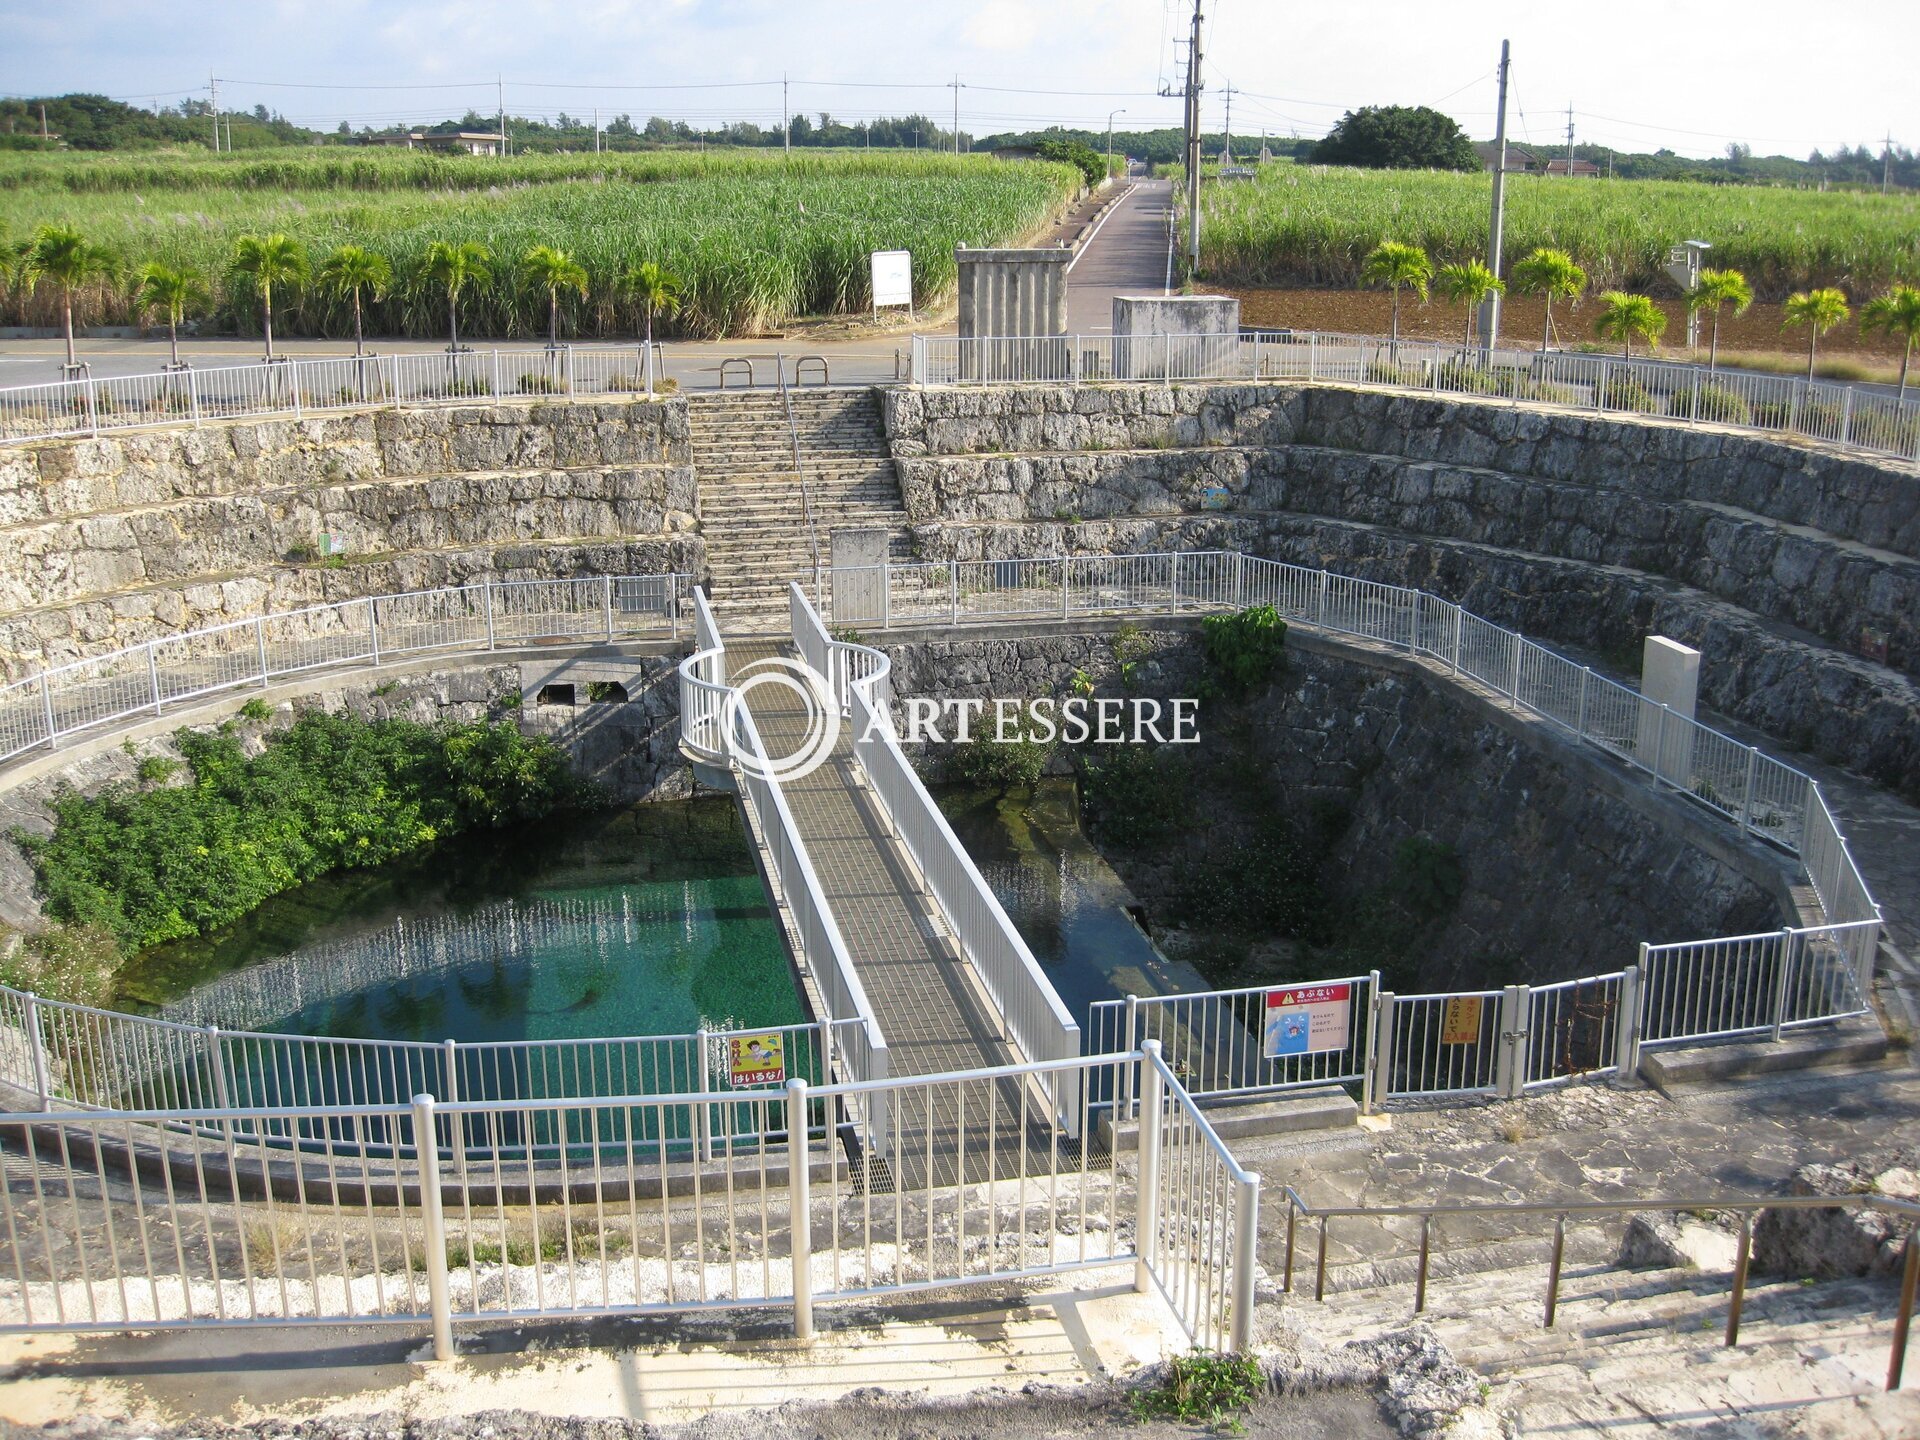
(1369, 311)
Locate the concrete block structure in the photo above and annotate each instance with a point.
(1016, 297)
(1144, 327)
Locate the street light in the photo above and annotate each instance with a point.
(1110, 116)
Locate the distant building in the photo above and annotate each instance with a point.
(447, 142)
(1523, 161)
(1580, 167)
(1015, 152)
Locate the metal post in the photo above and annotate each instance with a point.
(1903, 1317)
(293, 379)
(1147, 1201)
(606, 597)
(1503, 1066)
(953, 592)
(1553, 1270)
(1173, 568)
(826, 1050)
(1458, 611)
(648, 361)
(496, 371)
(1123, 1101)
(46, 709)
(1420, 1280)
(193, 396)
(153, 677)
(1320, 1264)
(1379, 1085)
(1246, 1225)
(427, 1147)
(886, 593)
(1065, 606)
(572, 393)
(1600, 387)
(1626, 1019)
(703, 1140)
(1320, 610)
(486, 595)
(1513, 687)
(93, 413)
(800, 1211)
(37, 1044)
(1413, 622)
(393, 377)
(260, 644)
(1746, 796)
(1693, 405)
(1286, 1278)
(1660, 748)
(373, 630)
(1789, 949)
(1372, 1040)
(1313, 348)
(1739, 1298)
(1586, 680)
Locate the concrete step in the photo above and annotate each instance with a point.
(1854, 1044)
(1322, 1108)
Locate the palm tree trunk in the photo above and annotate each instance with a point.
(173, 336)
(553, 319)
(266, 301)
(1546, 334)
(649, 327)
(1396, 324)
(1813, 341)
(1905, 361)
(66, 303)
(359, 346)
(1713, 350)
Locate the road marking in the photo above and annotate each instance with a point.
(1087, 244)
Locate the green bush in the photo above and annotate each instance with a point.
(330, 792)
(1626, 393)
(1202, 1389)
(1136, 795)
(1717, 403)
(1244, 650)
(1015, 763)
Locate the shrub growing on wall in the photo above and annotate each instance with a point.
(1243, 650)
(330, 792)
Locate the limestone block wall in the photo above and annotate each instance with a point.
(1568, 864)
(1573, 528)
(112, 541)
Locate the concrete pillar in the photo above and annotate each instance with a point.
(1669, 689)
(1012, 295)
(1214, 319)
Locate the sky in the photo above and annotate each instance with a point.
(1639, 76)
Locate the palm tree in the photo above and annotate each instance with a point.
(1623, 316)
(1397, 266)
(1548, 273)
(451, 267)
(63, 255)
(355, 271)
(1819, 311)
(1719, 288)
(170, 291)
(1898, 314)
(554, 270)
(1471, 284)
(271, 260)
(655, 288)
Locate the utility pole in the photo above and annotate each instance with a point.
(1194, 86)
(1111, 114)
(955, 86)
(1886, 158)
(500, 82)
(44, 136)
(1569, 142)
(786, 122)
(596, 129)
(1490, 310)
(213, 104)
(1226, 144)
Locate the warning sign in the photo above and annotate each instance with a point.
(1460, 1023)
(1306, 1019)
(757, 1059)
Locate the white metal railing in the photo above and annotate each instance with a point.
(464, 1211)
(1764, 797)
(150, 679)
(1860, 417)
(718, 729)
(1033, 1012)
(299, 387)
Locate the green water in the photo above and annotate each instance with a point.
(646, 921)
(1061, 894)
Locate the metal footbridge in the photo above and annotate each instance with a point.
(891, 923)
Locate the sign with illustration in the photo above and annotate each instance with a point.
(1460, 1022)
(1307, 1019)
(757, 1059)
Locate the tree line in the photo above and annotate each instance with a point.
(63, 257)
(1624, 317)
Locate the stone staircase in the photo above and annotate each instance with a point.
(1639, 1352)
(752, 514)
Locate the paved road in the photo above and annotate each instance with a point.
(1127, 256)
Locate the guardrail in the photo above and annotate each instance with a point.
(300, 387)
(1858, 417)
(1034, 1014)
(1764, 797)
(189, 1217)
(1481, 1214)
(151, 678)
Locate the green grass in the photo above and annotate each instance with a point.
(1313, 225)
(756, 239)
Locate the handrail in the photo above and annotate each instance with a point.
(1858, 417)
(1746, 1206)
(799, 468)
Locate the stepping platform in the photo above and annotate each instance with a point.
(1856, 1044)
